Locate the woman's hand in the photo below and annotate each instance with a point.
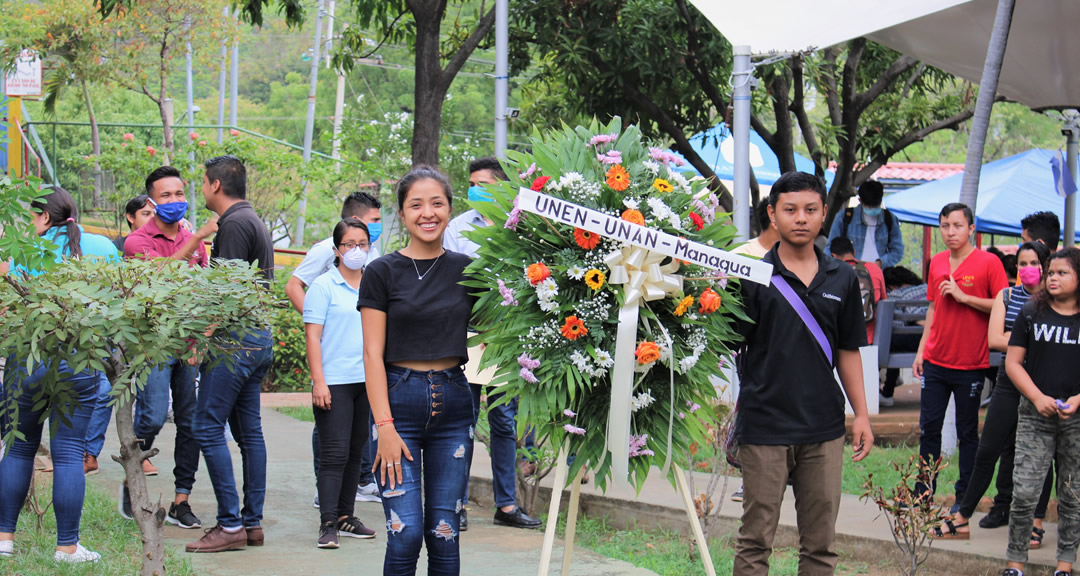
(388, 458)
(1066, 413)
(320, 395)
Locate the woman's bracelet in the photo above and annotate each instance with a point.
(382, 423)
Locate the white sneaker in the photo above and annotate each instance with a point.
(315, 501)
(368, 493)
(7, 548)
(79, 556)
(885, 401)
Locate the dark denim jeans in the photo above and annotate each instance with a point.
(433, 414)
(66, 446)
(99, 421)
(231, 393)
(965, 386)
(152, 409)
(502, 422)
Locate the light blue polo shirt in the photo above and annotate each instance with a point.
(330, 301)
(93, 246)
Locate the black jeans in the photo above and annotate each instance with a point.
(965, 386)
(343, 435)
(900, 343)
(999, 441)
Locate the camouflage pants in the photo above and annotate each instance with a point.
(1039, 440)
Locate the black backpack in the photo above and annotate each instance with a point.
(866, 291)
(850, 213)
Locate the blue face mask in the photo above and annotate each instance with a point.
(478, 194)
(374, 230)
(172, 212)
(872, 212)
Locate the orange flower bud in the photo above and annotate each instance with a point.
(709, 300)
(647, 352)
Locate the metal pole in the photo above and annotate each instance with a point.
(740, 131)
(1072, 131)
(234, 89)
(329, 32)
(339, 112)
(222, 82)
(190, 116)
(309, 125)
(502, 19)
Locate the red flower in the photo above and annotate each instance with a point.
(151, 151)
(234, 132)
(698, 221)
(202, 142)
(129, 137)
(539, 183)
(193, 135)
(586, 239)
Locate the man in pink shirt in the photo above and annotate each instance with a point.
(164, 237)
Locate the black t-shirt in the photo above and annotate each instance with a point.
(119, 243)
(242, 235)
(1053, 359)
(788, 394)
(425, 319)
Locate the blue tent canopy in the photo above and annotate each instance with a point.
(1009, 189)
(717, 148)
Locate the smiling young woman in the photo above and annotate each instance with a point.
(416, 315)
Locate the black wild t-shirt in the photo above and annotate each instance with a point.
(1053, 349)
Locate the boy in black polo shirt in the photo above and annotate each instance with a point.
(791, 412)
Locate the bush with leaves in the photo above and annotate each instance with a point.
(290, 371)
(120, 318)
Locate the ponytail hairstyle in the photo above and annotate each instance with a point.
(63, 213)
(342, 227)
(1070, 255)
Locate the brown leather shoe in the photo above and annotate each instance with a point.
(89, 464)
(255, 536)
(216, 539)
(149, 469)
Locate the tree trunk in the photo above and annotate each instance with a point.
(150, 517)
(430, 91)
(984, 105)
(95, 143)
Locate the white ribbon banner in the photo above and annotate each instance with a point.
(653, 240)
(637, 268)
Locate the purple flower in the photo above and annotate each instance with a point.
(682, 416)
(569, 413)
(529, 172)
(694, 407)
(602, 139)
(528, 363)
(637, 446)
(528, 376)
(574, 429)
(514, 217)
(666, 157)
(610, 157)
(507, 295)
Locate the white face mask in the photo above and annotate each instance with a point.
(355, 259)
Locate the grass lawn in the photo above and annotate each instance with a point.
(301, 413)
(102, 530)
(668, 553)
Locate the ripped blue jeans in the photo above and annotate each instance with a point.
(433, 415)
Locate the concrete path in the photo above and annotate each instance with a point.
(291, 524)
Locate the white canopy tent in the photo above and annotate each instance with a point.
(950, 34)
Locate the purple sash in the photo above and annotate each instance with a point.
(804, 313)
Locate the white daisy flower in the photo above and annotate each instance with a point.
(575, 272)
(604, 359)
(579, 361)
(547, 289)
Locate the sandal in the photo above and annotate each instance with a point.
(1036, 538)
(950, 532)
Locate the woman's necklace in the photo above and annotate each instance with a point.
(420, 276)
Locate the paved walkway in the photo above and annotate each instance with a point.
(291, 523)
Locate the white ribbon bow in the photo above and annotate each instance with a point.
(643, 280)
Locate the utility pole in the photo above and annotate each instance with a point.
(742, 76)
(329, 33)
(235, 88)
(502, 19)
(190, 113)
(1072, 132)
(222, 82)
(309, 125)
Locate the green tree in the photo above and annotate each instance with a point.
(118, 318)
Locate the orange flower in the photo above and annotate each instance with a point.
(537, 273)
(618, 178)
(634, 216)
(710, 301)
(574, 328)
(647, 352)
(586, 239)
(684, 305)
